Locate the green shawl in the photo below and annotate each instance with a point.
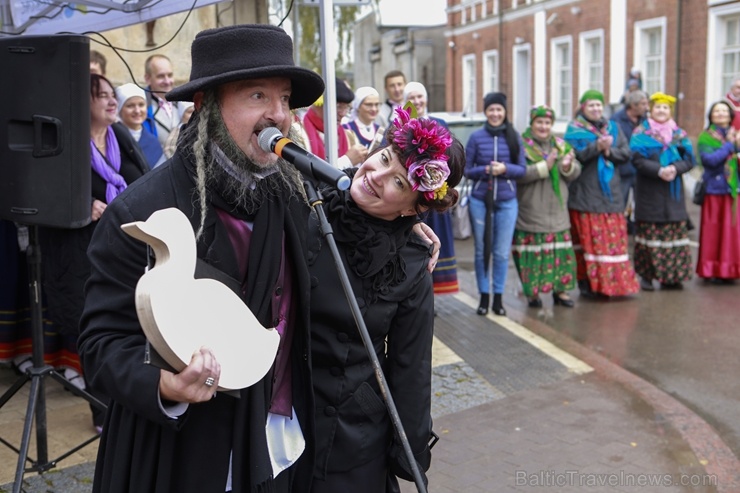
(535, 154)
(709, 141)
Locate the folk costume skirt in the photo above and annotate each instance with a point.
(445, 272)
(662, 252)
(545, 262)
(719, 239)
(600, 243)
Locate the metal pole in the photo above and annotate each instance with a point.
(328, 55)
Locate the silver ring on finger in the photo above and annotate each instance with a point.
(210, 381)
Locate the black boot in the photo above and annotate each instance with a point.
(483, 307)
(498, 305)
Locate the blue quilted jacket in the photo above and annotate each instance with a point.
(480, 152)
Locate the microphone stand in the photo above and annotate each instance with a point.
(315, 200)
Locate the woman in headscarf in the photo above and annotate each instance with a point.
(116, 162)
(719, 237)
(543, 250)
(662, 152)
(365, 109)
(132, 112)
(495, 159)
(356, 447)
(445, 272)
(598, 225)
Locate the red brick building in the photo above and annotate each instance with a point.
(551, 51)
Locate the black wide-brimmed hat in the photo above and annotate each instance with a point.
(250, 51)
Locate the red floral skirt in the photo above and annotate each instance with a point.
(600, 242)
(719, 239)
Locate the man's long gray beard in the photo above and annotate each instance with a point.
(223, 168)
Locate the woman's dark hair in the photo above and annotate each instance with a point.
(711, 108)
(95, 84)
(512, 140)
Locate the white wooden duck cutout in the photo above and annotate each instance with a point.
(179, 314)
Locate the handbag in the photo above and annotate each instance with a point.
(461, 226)
(700, 189)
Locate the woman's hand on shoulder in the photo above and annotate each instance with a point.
(428, 235)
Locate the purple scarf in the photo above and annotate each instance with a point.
(108, 166)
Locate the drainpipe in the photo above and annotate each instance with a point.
(678, 57)
(502, 82)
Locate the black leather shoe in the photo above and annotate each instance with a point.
(585, 289)
(483, 306)
(646, 285)
(535, 302)
(557, 299)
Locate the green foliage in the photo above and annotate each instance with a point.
(310, 35)
(409, 106)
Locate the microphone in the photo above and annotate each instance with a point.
(272, 140)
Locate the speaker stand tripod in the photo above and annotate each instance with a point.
(36, 375)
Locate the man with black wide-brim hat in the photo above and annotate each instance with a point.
(165, 431)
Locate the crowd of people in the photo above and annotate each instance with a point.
(565, 207)
(562, 207)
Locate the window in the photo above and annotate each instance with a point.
(723, 49)
(562, 82)
(591, 66)
(650, 52)
(490, 71)
(730, 50)
(469, 93)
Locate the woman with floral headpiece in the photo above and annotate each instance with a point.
(719, 237)
(662, 152)
(543, 250)
(598, 225)
(387, 266)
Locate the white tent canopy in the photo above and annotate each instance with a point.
(82, 16)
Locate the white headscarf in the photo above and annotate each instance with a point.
(415, 87)
(126, 92)
(360, 95)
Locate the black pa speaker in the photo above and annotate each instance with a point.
(45, 130)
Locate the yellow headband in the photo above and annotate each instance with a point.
(662, 98)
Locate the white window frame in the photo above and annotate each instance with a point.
(727, 77)
(715, 37)
(561, 119)
(640, 50)
(489, 72)
(469, 85)
(585, 64)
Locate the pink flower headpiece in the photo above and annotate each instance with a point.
(423, 143)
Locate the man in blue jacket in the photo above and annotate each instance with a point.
(628, 118)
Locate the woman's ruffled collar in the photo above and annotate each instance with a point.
(372, 245)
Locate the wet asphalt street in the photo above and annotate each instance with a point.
(684, 342)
